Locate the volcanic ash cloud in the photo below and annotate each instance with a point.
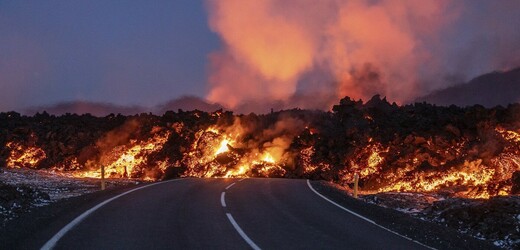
(399, 49)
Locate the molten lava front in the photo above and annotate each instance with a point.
(127, 161)
(471, 152)
(217, 154)
(24, 156)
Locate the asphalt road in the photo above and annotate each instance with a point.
(225, 214)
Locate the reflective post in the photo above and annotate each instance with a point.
(356, 180)
(102, 177)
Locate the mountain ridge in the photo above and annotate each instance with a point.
(489, 90)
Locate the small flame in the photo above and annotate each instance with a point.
(223, 147)
(240, 172)
(268, 158)
(509, 135)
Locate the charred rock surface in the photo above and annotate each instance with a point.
(470, 153)
(496, 219)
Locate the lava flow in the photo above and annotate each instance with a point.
(130, 160)
(23, 156)
(219, 154)
(464, 152)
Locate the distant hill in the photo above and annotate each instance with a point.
(187, 103)
(489, 90)
(83, 107)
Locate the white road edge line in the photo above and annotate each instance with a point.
(230, 185)
(50, 244)
(223, 199)
(242, 179)
(241, 232)
(364, 218)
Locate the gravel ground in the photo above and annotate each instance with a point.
(496, 220)
(32, 229)
(23, 190)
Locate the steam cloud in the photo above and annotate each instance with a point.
(275, 51)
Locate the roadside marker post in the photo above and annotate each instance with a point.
(356, 180)
(102, 177)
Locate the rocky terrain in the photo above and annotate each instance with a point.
(25, 190)
(463, 162)
(496, 220)
(489, 90)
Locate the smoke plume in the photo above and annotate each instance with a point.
(273, 49)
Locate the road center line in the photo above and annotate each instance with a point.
(50, 244)
(230, 185)
(241, 179)
(364, 218)
(241, 232)
(223, 199)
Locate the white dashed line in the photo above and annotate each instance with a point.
(233, 222)
(50, 244)
(241, 232)
(223, 199)
(230, 185)
(364, 218)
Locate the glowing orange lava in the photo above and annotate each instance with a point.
(472, 179)
(24, 156)
(216, 153)
(123, 161)
(223, 147)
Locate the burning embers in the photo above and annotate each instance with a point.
(392, 148)
(131, 160)
(439, 169)
(471, 179)
(221, 153)
(24, 156)
(125, 160)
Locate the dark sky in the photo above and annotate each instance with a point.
(122, 52)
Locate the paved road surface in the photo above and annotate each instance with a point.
(226, 214)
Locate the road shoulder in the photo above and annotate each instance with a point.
(423, 231)
(33, 229)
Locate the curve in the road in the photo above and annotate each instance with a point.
(241, 232)
(271, 213)
(234, 223)
(279, 213)
(52, 241)
(363, 217)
